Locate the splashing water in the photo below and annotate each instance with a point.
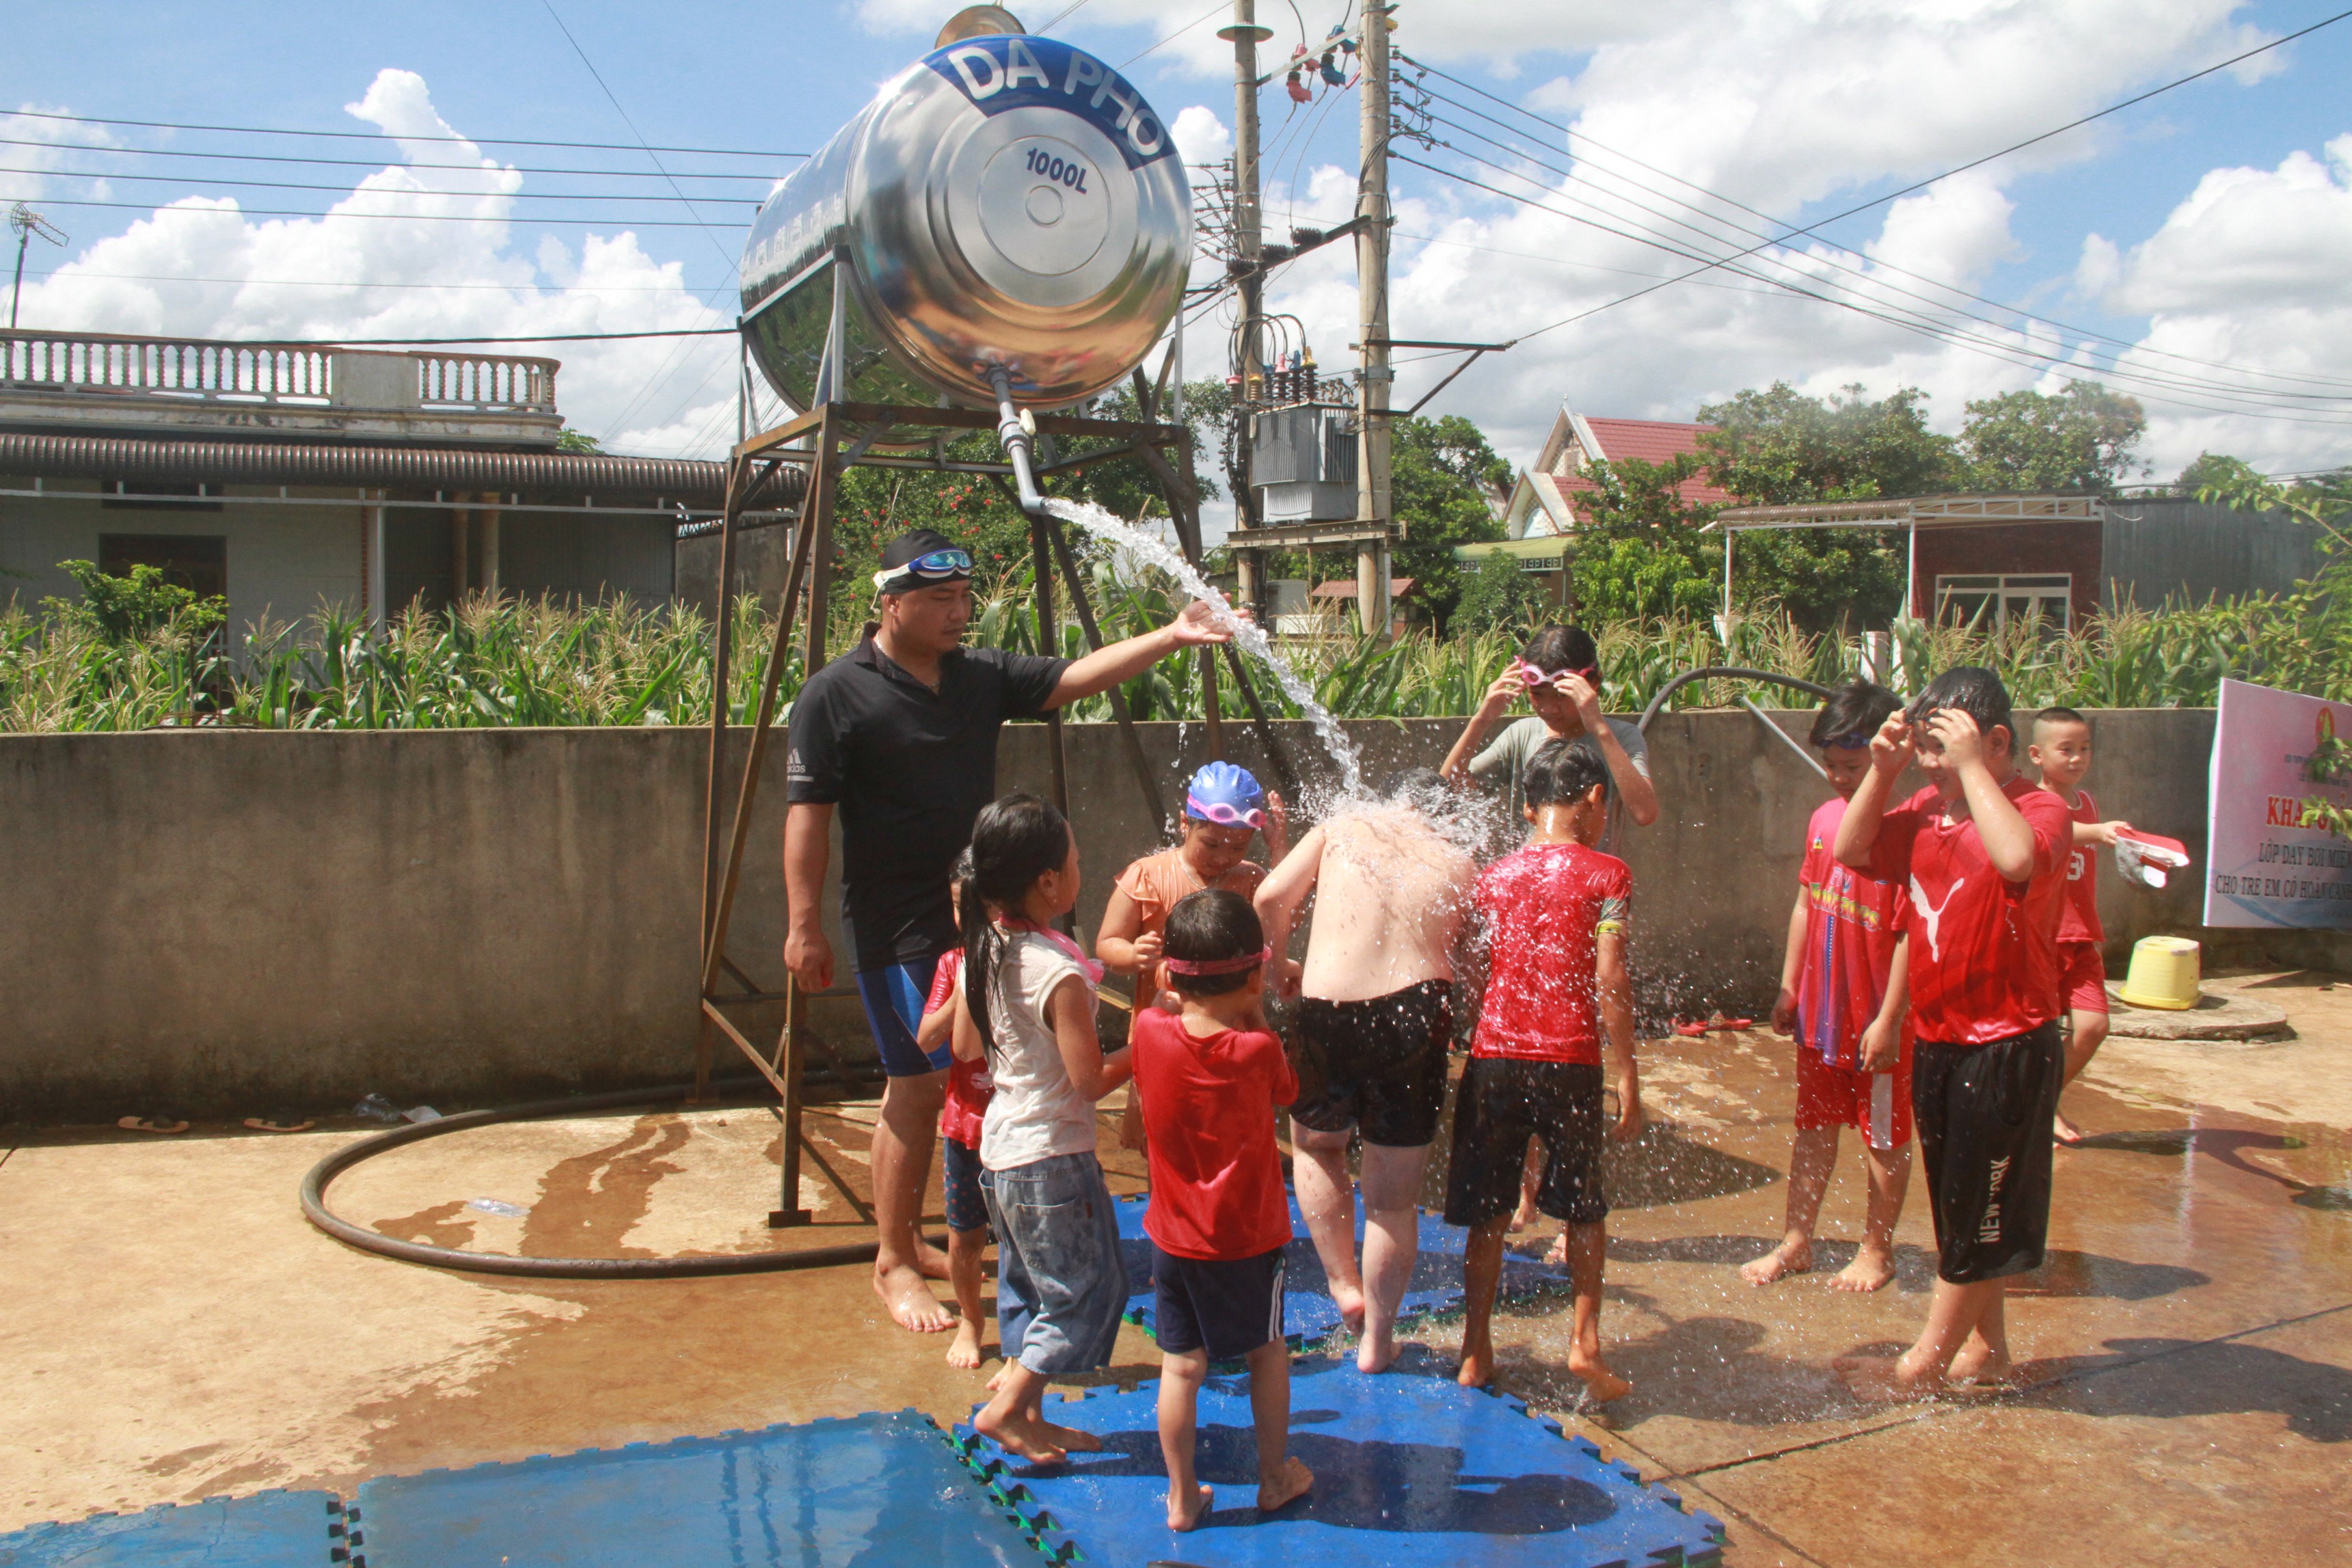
(1252, 637)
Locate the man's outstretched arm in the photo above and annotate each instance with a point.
(1105, 668)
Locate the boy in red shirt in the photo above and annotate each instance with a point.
(2062, 750)
(1211, 1079)
(1843, 989)
(1983, 852)
(1554, 917)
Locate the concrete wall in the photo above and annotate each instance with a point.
(240, 921)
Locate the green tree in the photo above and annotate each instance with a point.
(570, 440)
(2216, 470)
(1641, 553)
(1498, 596)
(1442, 473)
(2080, 439)
(1780, 447)
(137, 604)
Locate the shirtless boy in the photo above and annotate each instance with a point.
(1373, 1025)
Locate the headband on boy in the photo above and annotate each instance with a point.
(1206, 966)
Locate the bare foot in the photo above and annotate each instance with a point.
(1979, 1370)
(1477, 1364)
(930, 1260)
(1350, 1299)
(1556, 1255)
(1600, 1384)
(965, 1352)
(1525, 1215)
(1870, 1271)
(1017, 1435)
(996, 1379)
(1789, 1258)
(1379, 1354)
(1180, 1517)
(1070, 1438)
(1884, 1380)
(2065, 1131)
(912, 1306)
(1295, 1482)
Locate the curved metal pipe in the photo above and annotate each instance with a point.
(315, 1210)
(1020, 445)
(1723, 672)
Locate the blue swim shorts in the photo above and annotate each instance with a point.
(893, 996)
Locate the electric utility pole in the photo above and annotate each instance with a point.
(27, 223)
(1373, 502)
(1249, 223)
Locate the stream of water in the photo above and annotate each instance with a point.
(1251, 637)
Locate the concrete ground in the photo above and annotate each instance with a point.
(173, 1329)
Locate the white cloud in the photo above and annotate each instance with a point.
(424, 247)
(1200, 136)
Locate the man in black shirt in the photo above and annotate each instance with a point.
(900, 734)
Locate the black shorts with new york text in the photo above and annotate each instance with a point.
(1984, 1115)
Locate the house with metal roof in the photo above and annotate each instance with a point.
(286, 476)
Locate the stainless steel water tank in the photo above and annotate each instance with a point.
(1005, 201)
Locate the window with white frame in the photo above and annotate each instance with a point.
(1993, 601)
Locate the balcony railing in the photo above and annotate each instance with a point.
(199, 370)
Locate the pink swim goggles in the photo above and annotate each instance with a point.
(1533, 675)
(1224, 813)
(1204, 966)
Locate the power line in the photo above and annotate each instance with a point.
(395, 217)
(389, 136)
(2154, 376)
(1813, 228)
(59, 275)
(350, 190)
(1212, 11)
(356, 162)
(1880, 264)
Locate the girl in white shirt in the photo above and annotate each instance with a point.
(1029, 1008)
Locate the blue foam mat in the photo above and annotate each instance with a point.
(1409, 1471)
(1308, 1312)
(270, 1530)
(870, 1490)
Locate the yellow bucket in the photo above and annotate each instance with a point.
(2163, 973)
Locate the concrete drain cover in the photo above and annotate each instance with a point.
(2233, 1017)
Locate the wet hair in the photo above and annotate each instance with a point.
(2056, 715)
(1857, 708)
(1424, 789)
(1554, 648)
(1206, 926)
(1975, 692)
(1018, 840)
(1563, 772)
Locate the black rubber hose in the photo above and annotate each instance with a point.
(315, 1210)
(1723, 672)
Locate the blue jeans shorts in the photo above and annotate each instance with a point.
(893, 996)
(1057, 1254)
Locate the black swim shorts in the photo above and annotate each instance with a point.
(1503, 1102)
(1984, 1115)
(1377, 1065)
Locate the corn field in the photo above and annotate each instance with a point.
(537, 662)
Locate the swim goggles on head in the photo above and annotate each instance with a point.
(1855, 741)
(1234, 966)
(1535, 675)
(939, 566)
(1224, 813)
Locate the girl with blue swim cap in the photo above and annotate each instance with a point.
(1225, 809)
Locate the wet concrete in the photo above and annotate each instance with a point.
(173, 1329)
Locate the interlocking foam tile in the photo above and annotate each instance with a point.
(1307, 1311)
(1409, 1471)
(874, 1490)
(272, 1530)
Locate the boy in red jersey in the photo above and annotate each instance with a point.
(2062, 750)
(1842, 990)
(1210, 1080)
(969, 1088)
(1983, 853)
(1554, 917)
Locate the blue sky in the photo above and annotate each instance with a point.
(1798, 107)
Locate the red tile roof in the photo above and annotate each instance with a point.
(1651, 441)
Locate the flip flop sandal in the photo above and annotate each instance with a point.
(148, 1124)
(1735, 1024)
(284, 1121)
(1690, 1028)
